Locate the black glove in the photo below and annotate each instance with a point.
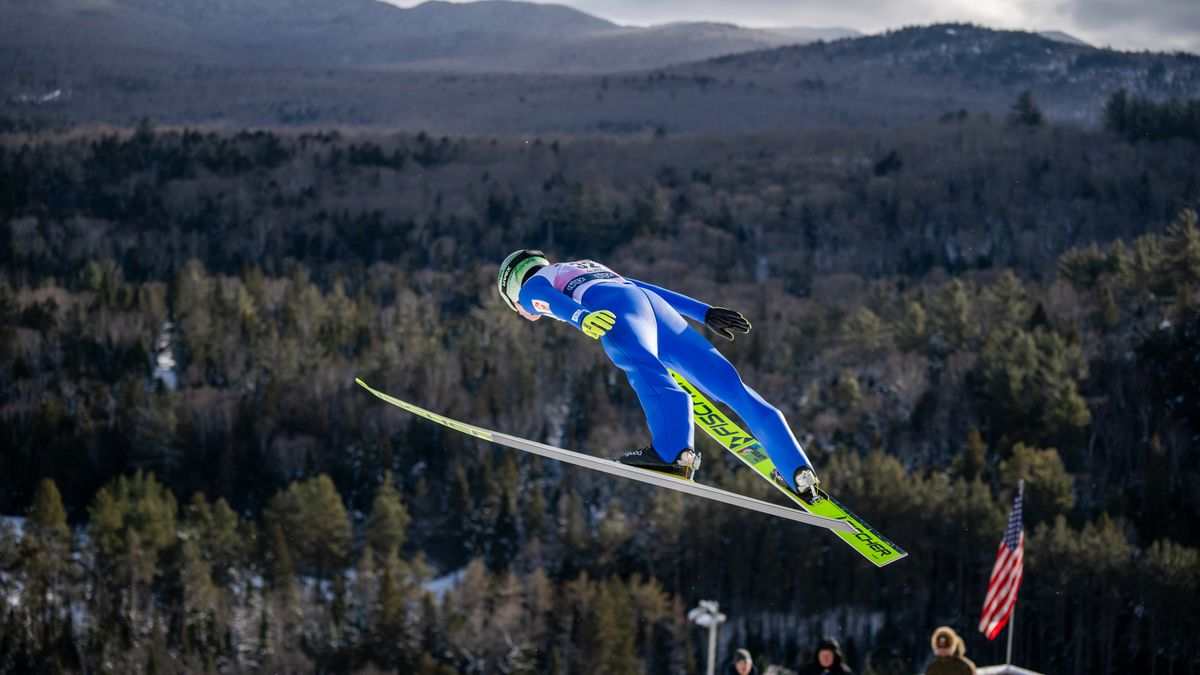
(723, 321)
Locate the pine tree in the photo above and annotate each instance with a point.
(951, 314)
(1049, 488)
(280, 573)
(535, 511)
(847, 391)
(1030, 385)
(972, 462)
(1025, 112)
(505, 540)
(1066, 413)
(314, 520)
(1008, 300)
(388, 522)
(609, 641)
(45, 554)
(864, 332)
(1110, 313)
(9, 309)
(216, 528)
(1168, 572)
(1182, 252)
(1157, 478)
(200, 596)
(912, 331)
(651, 210)
(132, 520)
(612, 535)
(575, 533)
(1116, 113)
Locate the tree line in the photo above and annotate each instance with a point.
(1137, 117)
(265, 513)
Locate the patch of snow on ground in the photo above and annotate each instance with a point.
(448, 582)
(16, 525)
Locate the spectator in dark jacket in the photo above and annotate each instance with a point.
(741, 664)
(827, 660)
(948, 654)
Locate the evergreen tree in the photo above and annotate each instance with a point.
(609, 642)
(201, 599)
(132, 521)
(505, 541)
(1110, 313)
(8, 312)
(971, 464)
(1030, 384)
(1025, 112)
(1116, 112)
(612, 535)
(536, 511)
(389, 624)
(45, 554)
(280, 573)
(864, 332)
(388, 522)
(574, 528)
(912, 332)
(1049, 488)
(215, 528)
(952, 321)
(1008, 300)
(847, 391)
(1182, 259)
(314, 521)
(651, 210)
(1168, 572)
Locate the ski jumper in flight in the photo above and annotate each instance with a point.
(643, 331)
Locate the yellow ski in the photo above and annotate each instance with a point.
(864, 539)
(610, 467)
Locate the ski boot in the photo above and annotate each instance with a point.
(806, 484)
(684, 466)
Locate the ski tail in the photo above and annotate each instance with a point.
(865, 539)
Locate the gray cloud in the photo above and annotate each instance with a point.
(1155, 25)
(1158, 25)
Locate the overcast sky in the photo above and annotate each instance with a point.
(1156, 25)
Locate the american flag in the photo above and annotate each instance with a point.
(1006, 574)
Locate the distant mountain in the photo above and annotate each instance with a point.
(488, 36)
(1059, 36)
(72, 60)
(645, 48)
(805, 35)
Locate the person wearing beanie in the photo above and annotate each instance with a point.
(949, 654)
(827, 660)
(741, 664)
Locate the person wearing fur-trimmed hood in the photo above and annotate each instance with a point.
(949, 654)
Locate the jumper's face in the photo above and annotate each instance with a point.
(825, 658)
(527, 315)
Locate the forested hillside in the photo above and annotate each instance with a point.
(939, 310)
(95, 67)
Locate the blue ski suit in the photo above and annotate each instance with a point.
(651, 336)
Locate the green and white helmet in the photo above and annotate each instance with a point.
(516, 268)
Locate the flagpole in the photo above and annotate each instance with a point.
(1013, 613)
(1008, 655)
